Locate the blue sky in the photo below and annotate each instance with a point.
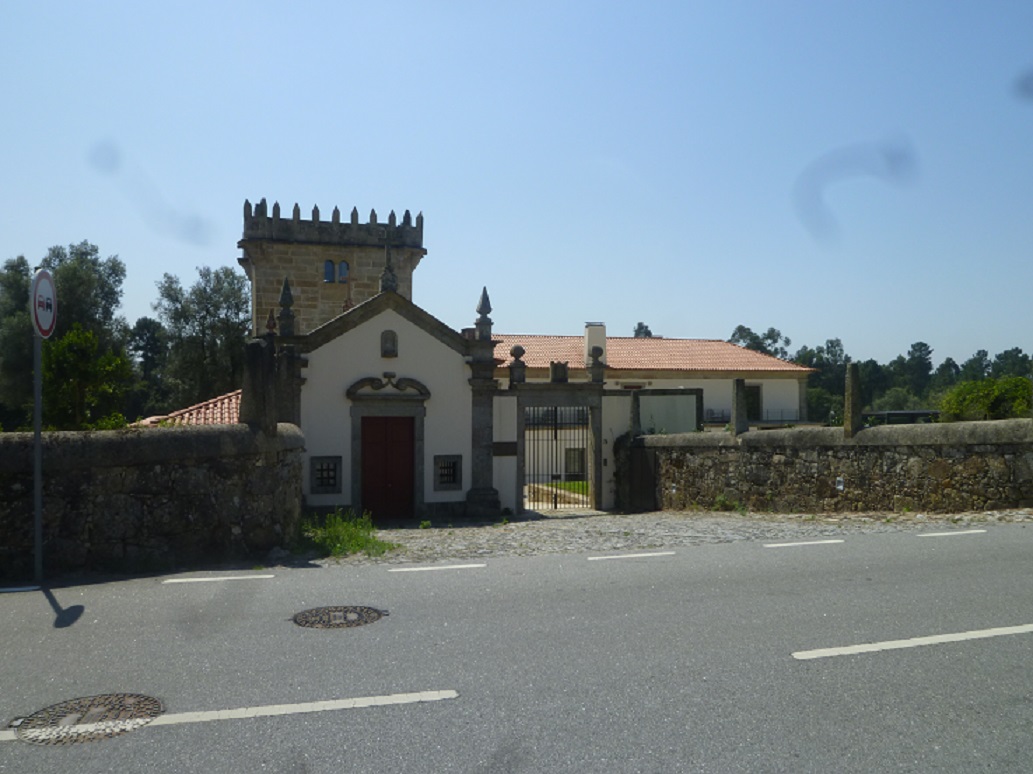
(861, 170)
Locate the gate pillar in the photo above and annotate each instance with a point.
(482, 498)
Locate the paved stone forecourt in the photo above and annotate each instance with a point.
(591, 532)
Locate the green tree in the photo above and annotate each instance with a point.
(976, 367)
(1004, 398)
(898, 399)
(83, 386)
(918, 368)
(828, 385)
(148, 345)
(771, 342)
(642, 331)
(207, 328)
(830, 360)
(824, 406)
(16, 334)
(89, 290)
(945, 376)
(1011, 362)
(875, 380)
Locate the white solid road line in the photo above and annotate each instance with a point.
(629, 556)
(802, 543)
(439, 567)
(914, 642)
(952, 534)
(218, 579)
(269, 710)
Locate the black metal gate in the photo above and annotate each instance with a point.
(557, 441)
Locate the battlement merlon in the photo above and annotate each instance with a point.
(260, 225)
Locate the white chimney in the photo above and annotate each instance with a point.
(595, 336)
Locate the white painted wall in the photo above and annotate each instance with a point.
(779, 397)
(667, 413)
(326, 411)
(616, 422)
(504, 470)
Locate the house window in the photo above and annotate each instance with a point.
(325, 475)
(574, 464)
(342, 272)
(448, 472)
(388, 344)
(328, 271)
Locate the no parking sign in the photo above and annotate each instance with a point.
(43, 298)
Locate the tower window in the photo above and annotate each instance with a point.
(342, 272)
(328, 271)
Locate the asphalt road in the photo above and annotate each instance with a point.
(702, 659)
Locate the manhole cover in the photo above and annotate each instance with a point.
(338, 617)
(88, 719)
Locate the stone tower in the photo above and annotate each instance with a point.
(331, 266)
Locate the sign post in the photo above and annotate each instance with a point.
(43, 299)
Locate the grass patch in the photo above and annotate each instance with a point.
(725, 503)
(343, 533)
(577, 487)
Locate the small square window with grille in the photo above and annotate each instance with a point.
(448, 472)
(325, 475)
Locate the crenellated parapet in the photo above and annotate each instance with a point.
(260, 224)
(331, 266)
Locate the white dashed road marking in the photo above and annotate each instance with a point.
(219, 579)
(629, 556)
(802, 543)
(952, 534)
(914, 642)
(439, 567)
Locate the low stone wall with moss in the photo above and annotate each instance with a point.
(149, 499)
(953, 467)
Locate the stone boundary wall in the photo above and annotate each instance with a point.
(951, 467)
(150, 499)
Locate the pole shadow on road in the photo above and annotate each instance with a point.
(64, 616)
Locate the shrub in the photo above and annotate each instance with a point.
(343, 533)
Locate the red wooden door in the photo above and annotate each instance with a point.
(388, 447)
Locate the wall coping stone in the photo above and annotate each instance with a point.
(63, 450)
(1003, 431)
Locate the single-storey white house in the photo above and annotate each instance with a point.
(407, 417)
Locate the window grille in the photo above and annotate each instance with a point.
(448, 472)
(325, 475)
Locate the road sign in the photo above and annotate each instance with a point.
(44, 303)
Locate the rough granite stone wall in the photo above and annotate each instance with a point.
(149, 499)
(951, 467)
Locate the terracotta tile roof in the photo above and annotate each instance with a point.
(625, 353)
(222, 410)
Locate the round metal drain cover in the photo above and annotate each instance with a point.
(338, 617)
(88, 719)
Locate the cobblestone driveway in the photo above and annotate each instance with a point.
(567, 533)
